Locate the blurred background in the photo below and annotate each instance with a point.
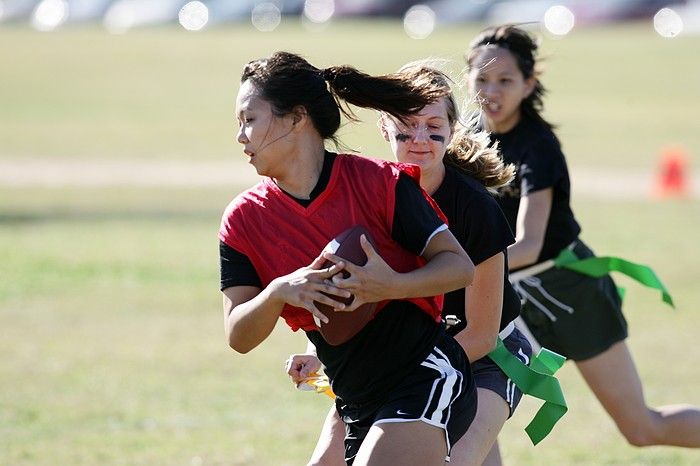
(118, 155)
(420, 18)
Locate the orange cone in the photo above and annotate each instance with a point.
(672, 178)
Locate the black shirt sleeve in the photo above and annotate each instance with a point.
(235, 268)
(474, 216)
(488, 232)
(542, 167)
(415, 220)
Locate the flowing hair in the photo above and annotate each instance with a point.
(470, 149)
(287, 81)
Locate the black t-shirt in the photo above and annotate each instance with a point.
(536, 153)
(399, 337)
(479, 225)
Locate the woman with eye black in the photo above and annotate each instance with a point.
(457, 168)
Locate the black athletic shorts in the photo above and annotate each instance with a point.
(573, 314)
(440, 392)
(488, 375)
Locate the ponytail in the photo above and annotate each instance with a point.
(393, 93)
(287, 80)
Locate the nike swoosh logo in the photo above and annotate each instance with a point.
(401, 413)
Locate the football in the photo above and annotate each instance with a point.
(341, 325)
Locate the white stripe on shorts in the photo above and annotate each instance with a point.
(510, 385)
(451, 389)
(452, 379)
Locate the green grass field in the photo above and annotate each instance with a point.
(618, 94)
(113, 349)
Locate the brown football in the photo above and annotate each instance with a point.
(341, 325)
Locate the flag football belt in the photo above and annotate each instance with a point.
(538, 379)
(598, 267)
(535, 380)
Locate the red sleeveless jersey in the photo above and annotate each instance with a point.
(279, 235)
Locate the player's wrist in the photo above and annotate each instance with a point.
(274, 294)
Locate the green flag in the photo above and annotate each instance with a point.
(600, 266)
(536, 380)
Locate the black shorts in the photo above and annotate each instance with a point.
(573, 314)
(488, 375)
(440, 392)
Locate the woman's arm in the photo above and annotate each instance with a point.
(530, 229)
(250, 314)
(448, 268)
(483, 305)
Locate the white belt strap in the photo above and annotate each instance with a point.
(503, 334)
(515, 277)
(530, 271)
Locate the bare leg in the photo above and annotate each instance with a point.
(494, 456)
(330, 448)
(613, 379)
(473, 448)
(412, 443)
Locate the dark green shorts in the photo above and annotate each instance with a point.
(573, 314)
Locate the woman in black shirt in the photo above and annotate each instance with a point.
(576, 315)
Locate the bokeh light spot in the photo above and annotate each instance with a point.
(194, 16)
(120, 18)
(49, 14)
(559, 20)
(419, 21)
(319, 11)
(266, 16)
(668, 23)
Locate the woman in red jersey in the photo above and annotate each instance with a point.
(404, 387)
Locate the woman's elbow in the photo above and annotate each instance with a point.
(237, 341)
(490, 343)
(531, 250)
(468, 269)
(533, 254)
(483, 346)
(239, 346)
(522, 254)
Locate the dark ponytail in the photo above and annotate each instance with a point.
(392, 93)
(287, 80)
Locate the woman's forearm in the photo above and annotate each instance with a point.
(250, 322)
(446, 271)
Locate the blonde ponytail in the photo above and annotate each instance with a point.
(471, 152)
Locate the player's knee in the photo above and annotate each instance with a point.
(641, 435)
(645, 430)
(639, 439)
